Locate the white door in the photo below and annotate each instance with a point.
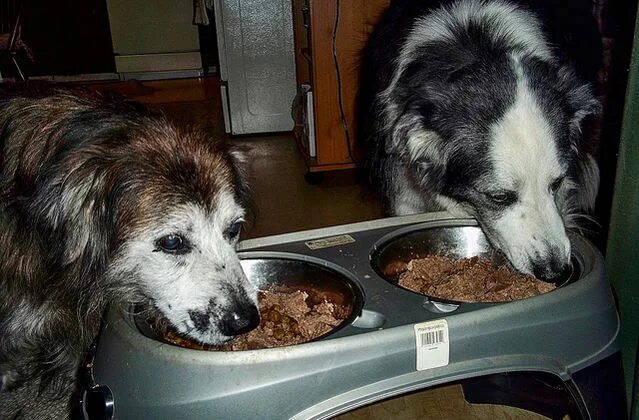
(257, 63)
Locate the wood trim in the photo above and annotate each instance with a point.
(356, 20)
(333, 167)
(301, 37)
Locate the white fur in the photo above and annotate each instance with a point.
(526, 160)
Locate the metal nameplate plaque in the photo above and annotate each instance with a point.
(330, 242)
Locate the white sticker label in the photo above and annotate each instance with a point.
(330, 242)
(431, 339)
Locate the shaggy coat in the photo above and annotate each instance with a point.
(103, 200)
(477, 107)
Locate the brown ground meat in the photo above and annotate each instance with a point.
(469, 280)
(286, 317)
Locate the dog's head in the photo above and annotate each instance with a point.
(186, 220)
(140, 210)
(182, 257)
(181, 223)
(497, 136)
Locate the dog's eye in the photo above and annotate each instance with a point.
(172, 244)
(234, 230)
(554, 187)
(503, 197)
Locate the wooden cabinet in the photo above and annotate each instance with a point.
(329, 36)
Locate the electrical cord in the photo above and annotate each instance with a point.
(339, 85)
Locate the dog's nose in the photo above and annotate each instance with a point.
(552, 271)
(240, 321)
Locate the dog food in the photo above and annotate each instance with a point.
(287, 317)
(468, 280)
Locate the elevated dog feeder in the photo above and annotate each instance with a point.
(555, 354)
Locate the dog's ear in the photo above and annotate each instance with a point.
(586, 176)
(576, 197)
(421, 148)
(410, 138)
(581, 101)
(240, 159)
(408, 109)
(240, 165)
(584, 173)
(422, 91)
(426, 156)
(80, 208)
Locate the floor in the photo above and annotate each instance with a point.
(285, 202)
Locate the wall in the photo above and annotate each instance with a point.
(154, 37)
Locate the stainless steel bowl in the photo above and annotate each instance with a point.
(316, 277)
(394, 251)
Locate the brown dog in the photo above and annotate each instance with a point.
(103, 200)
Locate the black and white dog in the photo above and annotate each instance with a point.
(103, 200)
(477, 107)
